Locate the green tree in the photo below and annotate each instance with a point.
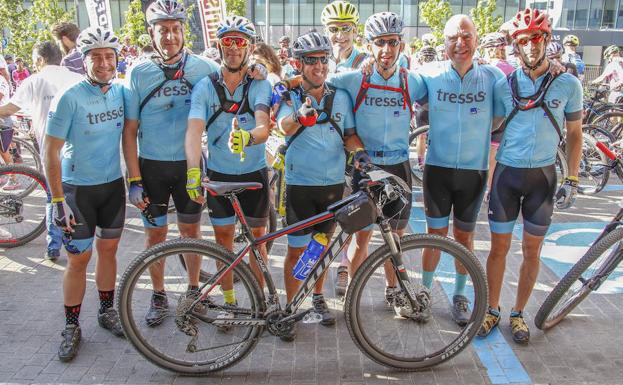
(483, 17)
(28, 25)
(435, 13)
(236, 7)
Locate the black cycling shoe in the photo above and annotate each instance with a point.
(320, 307)
(109, 320)
(158, 309)
(71, 341)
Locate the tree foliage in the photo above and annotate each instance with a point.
(236, 7)
(435, 13)
(483, 17)
(28, 25)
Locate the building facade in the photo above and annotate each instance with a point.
(598, 23)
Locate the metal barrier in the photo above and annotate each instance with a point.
(591, 72)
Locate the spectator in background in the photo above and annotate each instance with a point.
(265, 55)
(66, 35)
(571, 43)
(10, 63)
(4, 72)
(287, 71)
(35, 95)
(613, 73)
(494, 46)
(128, 49)
(122, 66)
(20, 73)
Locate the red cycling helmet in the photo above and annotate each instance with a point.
(530, 20)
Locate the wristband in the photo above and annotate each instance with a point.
(56, 200)
(573, 178)
(135, 179)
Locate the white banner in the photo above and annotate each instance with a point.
(211, 13)
(99, 13)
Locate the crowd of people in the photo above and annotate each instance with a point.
(353, 93)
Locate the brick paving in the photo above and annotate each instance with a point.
(585, 349)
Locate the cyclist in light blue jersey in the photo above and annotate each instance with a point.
(462, 106)
(234, 109)
(340, 19)
(317, 125)
(570, 44)
(383, 104)
(157, 97)
(537, 105)
(88, 194)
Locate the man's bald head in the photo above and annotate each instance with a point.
(461, 39)
(459, 23)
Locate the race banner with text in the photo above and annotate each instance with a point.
(99, 13)
(211, 12)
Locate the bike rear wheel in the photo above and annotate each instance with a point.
(403, 343)
(171, 344)
(23, 197)
(579, 282)
(25, 154)
(593, 172)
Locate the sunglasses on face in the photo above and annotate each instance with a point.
(312, 60)
(390, 42)
(336, 29)
(536, 39)
(240, 42)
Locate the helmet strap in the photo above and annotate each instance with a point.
(95, 82)
(312, 86)
(526, 62)
(242, 65)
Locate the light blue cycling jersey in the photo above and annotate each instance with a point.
(316, 157)
(347, 65)
(574, 58)
(382, 120)
(403, 61)
(205, 103)
(90, 122)
(530, 140)
(163, 120)
(460, 114)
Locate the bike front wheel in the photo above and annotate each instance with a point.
(417, 153)
(584, 277)
(178, 340)
(377, 322)
(23, 197)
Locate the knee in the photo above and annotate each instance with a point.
(156, 235)
(78, 263)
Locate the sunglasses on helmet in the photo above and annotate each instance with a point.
(336, 29)
(535, 39)
(229, 42)
(312, 60)
(390, 42)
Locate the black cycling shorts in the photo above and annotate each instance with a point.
(303, 202)
(397, 211)
(165, 179)
(99, 211)
(530, 190)
(254, 203)
(457, 190)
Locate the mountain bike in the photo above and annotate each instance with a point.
(203, 334)
(22, 206)
(586, 276)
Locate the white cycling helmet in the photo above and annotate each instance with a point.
(309, 43)
(429, 39)
(161, 10)
(493, 40)
(383, 24)
(237, 24)
(97, 37)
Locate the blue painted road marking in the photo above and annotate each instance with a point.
(566, 243)
(503, 366)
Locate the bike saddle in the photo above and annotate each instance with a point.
(222, 188)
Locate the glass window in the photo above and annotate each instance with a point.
(260, 11)
(366, 9)
(595, 13)
(276, 12)
(124, 5)
(456, 6)
(511, 9)
(581, 14)
(620, 17)
(410, 13)
(291, 16)
(396, 7)
(610, 8)
(567, 14)
(306, 17)
(468, 5)
(115, 14)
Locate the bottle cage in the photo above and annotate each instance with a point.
(404, 90)
(169, 74)
(525, 103)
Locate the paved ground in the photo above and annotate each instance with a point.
(586, 348)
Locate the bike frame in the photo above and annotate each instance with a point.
(615, 257)
(325, 260)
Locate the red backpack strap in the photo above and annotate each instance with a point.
(363, 90)
(404, 86)
(358, 60)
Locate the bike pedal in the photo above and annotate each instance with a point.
(312, 318)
